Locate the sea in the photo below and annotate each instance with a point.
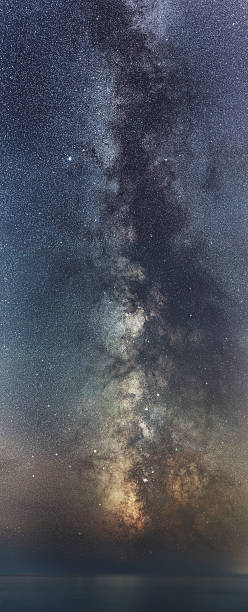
(123, 593)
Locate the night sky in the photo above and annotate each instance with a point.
(124, 281)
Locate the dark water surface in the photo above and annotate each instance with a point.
(123, 594)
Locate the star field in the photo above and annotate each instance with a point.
(123, 306)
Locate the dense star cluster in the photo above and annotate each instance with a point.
(123, 312)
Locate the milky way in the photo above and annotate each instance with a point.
(123, 279)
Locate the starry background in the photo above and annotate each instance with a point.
(123, 306)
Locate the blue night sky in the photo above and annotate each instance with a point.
(123, 276)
